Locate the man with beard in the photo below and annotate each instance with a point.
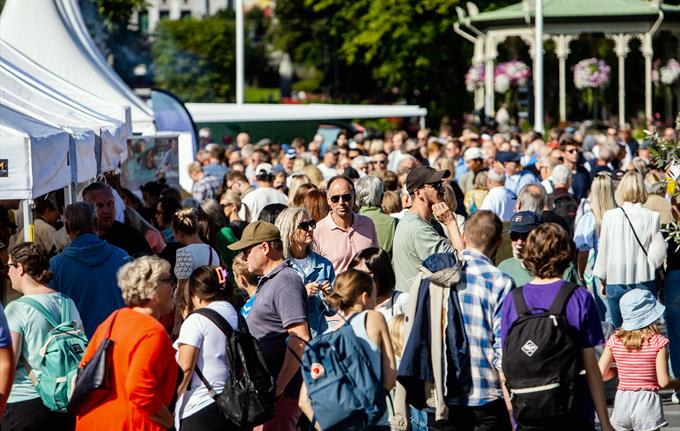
(415, 239)
(343, 233)
(521, 224)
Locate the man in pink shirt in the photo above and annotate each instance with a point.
(343, 233)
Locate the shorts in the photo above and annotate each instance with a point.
(637, 410)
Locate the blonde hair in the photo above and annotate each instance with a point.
(445, 164)
(632, 340)
(396, 328)
(185, 221)
(231, 197)
(314, 174)
(480, 182)
(287, 223)
(348, 288)
(631, 189)
(299, 164)
(138, 280)
(450, 198)
(601, 197)
(391, 202)
(296, 180)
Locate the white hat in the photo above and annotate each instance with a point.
(472, 154)
(266, 167)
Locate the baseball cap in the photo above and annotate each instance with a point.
(507, 156)
(473, 154)
(291, 153)
(266, 167)
(422, 175)
(525, 221)
(256, 233)
(639, 309)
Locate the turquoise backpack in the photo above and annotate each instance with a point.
(60, 356)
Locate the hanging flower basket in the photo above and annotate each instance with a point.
(510, 74)
(474, 78)
(669, 73)
(591, 73)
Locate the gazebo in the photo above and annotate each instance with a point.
(564, 21)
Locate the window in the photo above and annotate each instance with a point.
(144, 21)
(185, 14)
(164, 14)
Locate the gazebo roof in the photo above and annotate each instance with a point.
(566, 11)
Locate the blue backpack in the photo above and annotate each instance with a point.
(345, 392)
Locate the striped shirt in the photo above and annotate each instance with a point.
(637, 369)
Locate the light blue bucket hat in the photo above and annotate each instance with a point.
(639, 309)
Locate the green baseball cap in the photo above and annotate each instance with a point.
(256, 233)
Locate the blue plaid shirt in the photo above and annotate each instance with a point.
(481, 294)
(208, 187)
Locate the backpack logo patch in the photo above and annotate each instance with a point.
(317, 370)
(529, 348)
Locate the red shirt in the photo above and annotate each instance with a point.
(637, 369)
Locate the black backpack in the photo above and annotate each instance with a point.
(566, 206)
(248, 396)
(541, 362)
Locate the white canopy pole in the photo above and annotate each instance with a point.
(538, 68)
(239, 52)
(621, 49)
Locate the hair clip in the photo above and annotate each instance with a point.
(222, 274)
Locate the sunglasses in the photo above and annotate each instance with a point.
(167, 280)
(572, 151)
(436, 186)
(515, 236)
(380, 162)
(347, 197)
(306, 225)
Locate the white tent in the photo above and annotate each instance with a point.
(232, 113)
(34, 155)
(53, 34)
(13, 58)
(46, 104)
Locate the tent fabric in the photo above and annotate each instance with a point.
(16, 88)
(34, 155)
(56, 38)
(13, 57)
(229, 112)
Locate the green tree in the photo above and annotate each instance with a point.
(195, 59)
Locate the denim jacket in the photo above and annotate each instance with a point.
(319, 270)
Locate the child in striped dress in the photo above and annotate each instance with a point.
(641, 358)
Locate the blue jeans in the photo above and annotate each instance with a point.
(672, 316)
(601, 301)
(616, 291)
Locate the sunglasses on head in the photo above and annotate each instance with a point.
(305, 225)
(514, 236)
(346, 198)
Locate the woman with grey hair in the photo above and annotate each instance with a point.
(297, 228)
(369, 193)
(143, 360)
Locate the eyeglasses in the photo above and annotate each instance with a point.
(246, 251)
(347, 197)
(306, 225)
(572, 151)
(516, 236)
(436, 186)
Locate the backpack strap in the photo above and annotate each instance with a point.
(226, 329)
(562, 297)
(634, 233)
(520, 304)
(39, 308)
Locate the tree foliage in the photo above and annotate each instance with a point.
(391, 49)
(195, 59)
(116, 14)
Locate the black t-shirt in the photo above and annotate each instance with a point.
(127, 238)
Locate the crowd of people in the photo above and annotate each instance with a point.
(435, 249)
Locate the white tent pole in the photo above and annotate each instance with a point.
(538, 69)
(239, 52)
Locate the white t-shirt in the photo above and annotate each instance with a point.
(202, 333)
(260, 198)
(327, 172)
(193, 256)
(396, 304)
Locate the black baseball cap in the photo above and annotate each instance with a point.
(525, 221)
(507, 156)
(423, 175)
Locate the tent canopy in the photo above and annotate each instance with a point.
(35, 155)
(229, 112)
(53, 34)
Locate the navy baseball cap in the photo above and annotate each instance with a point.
(507, 156)
(525, 221)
